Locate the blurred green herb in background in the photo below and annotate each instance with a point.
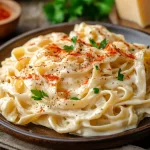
(68, 10)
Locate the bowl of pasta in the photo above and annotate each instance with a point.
(83, 85)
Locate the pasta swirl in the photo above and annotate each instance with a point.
(89, 83)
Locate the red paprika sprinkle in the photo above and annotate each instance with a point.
(4, 14)
(50, 77)
(86, 82)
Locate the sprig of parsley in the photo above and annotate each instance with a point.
(102, 44)
(74, 39)
(68, 48)
(120, 76)
(93, 43)
(38, 94)
(71, 47)
(68, 10)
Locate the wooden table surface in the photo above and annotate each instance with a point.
(33, 17)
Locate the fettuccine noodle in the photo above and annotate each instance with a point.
(89, 83)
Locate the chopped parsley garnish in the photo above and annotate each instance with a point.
(93, 43)
(96, 67)
(68, 48)
(71, 47)
(103, 43)
(120, 76)
(74, 98)
(96, 90)
(132, 49)
(74, 39)
(38, 94)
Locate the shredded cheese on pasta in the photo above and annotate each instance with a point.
(80, 88)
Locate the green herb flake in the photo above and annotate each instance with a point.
(44, 94)
(68, 48)
(74, 39)
(96, 90)
(132, 49)
(38, 94)
(74, 98)
(93, 43)
(96, 67)
(120, 76)
(103, 43)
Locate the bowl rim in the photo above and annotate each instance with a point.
(64, 24)
(12, 4)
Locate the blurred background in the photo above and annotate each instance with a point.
(42, 13)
